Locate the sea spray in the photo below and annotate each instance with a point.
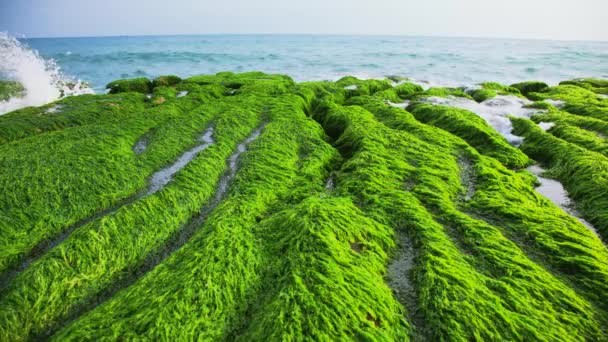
(41, 79)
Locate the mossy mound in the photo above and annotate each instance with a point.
(596, 85)
(10, 89)
(489, 90)
(481, 95)
(529, 87)
(299, 211)
(138, 85)
(440, 92)
(166, 81)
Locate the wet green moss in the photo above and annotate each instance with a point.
(138, 85)
(346, 219)
(596, 85)
(481, 95)
(529, 87)
(406, 182)
(439, 92)
(10, 89)
(473, 129)
(166, 81)
(491, 89)
(583, 173)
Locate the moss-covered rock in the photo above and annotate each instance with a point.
(10, 89)
(439, 92)
(587, 83)
(501, 89)
(166, 81)
(406, 89)
(397, 78)
(598, 86)
(481, 95)
(529, 87)
(138, 85)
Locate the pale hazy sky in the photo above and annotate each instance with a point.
(551, 19)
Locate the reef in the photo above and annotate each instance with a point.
(250, 207)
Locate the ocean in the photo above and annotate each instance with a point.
(431, 60)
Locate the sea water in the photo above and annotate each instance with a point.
(434, 60)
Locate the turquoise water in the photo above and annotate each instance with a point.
(442, 61)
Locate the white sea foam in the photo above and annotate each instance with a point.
(54, 109)
(556, 103)
(545, 126)
(42, 79)
(495, 111)
(403, 104)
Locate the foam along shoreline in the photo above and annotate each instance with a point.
(555, 192)
(494, 111)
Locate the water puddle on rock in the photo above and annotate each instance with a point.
(467, 177)
(233, 164)
(399, 276)
(494, 111)
(330, 184)
(555, 192)
(140, 146)
(164, 176)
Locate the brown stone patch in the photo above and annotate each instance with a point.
(372, 319)
(159, 100)
(356, 246)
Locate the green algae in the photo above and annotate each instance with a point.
(282, 256)
(574, 149)
(10, 89)
(473, 129)
(529, 87)
(596, 85)
(491, 89)
(481, 95)
(166, 81)
(386, 174)
(69, 112)
(138, 85)
(439, 92)
(582, 172)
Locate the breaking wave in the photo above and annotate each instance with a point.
(41, 79)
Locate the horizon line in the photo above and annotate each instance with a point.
(23, 36)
